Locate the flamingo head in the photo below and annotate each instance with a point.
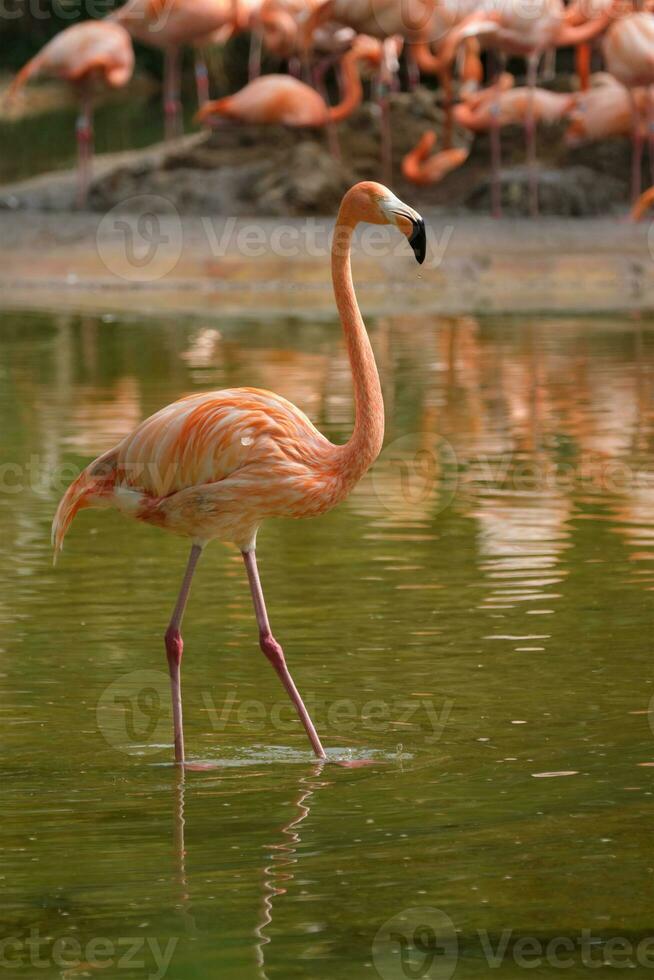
(366, 49)
(376, 205)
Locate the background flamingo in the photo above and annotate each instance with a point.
(215, 465)
(170, 25)
(603, 110)
(282, 99)
(86, 55)
(422, 166)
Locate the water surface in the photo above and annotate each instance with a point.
(476, 620)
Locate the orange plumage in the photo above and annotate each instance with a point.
(214, 465)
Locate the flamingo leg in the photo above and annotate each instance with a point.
(84, 129)
(582, 65)
(172, 104)
(319, 72)
(446, 83)
(201, 79)
(650, 130)
(412, 70)
(255, 53)
(274, 653)
(548, 65)
(498, 62)
(530, 133)
(637, 149)
(174, 649)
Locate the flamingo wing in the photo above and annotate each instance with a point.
(203, 438)
(212, 464)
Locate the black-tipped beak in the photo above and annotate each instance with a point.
(418, 239)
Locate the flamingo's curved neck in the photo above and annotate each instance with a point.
(366, 441)
(426, 60)
(353, 91)
(413, 163)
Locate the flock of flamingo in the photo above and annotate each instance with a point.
(441, 38)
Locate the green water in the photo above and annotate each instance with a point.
(46, 141)
(475, 616)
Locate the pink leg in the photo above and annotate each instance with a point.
(172, 104)
(201, 79)
(498, 62)
(496, 160)
(274, 652)
(530, 132)
(84, 127)
(174, 649)
(319, 72)
(637, 149)
(385, 138)
(412, 70)
(254, 57)
(650, 131)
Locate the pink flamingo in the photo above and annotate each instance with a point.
(603, 110)
(628, 48)
(503, 105)
(423, 167)
(216, 464)
(95, 52)
(171, 24)
(286, 101)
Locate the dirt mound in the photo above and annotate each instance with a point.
(272, 170)
(573, 192)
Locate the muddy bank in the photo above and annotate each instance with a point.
(248, 170)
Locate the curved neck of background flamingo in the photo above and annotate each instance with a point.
(572, 34)
(366, 440)
(412, 164)
(426, 60)
(353, 90)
